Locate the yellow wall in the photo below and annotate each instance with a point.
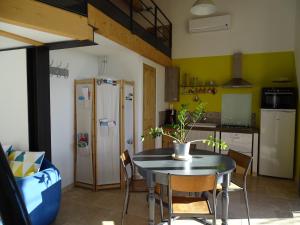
(297, 53)
(297, 170)
(258, 69)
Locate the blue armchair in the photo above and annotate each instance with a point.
(42, 194)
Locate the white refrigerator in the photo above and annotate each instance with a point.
(277, 139)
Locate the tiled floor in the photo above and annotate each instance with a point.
(272, 201)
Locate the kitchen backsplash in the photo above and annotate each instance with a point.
(236, 109)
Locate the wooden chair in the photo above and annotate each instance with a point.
(127, 166)
(193, 146)
(187, 205)
(244, 162)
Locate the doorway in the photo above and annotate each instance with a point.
(149, 104)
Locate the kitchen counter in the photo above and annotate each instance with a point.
(250, 130)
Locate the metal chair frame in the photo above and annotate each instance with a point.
(125, 161)
(234, 154)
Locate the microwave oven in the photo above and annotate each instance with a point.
(279, 98)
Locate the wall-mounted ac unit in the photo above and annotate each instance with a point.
(210, 24)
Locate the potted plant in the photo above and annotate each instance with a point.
(181, 129)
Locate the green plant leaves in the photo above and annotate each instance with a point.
(186, 121)
(156, 132)
(198, 113)
(214, 142)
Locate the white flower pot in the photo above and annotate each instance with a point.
(182, 150)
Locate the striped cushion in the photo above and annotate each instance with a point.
(23, 163)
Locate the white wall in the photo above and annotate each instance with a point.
(257, 26)
(13, 99)
(81, 65)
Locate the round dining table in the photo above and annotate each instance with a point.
(155, 166)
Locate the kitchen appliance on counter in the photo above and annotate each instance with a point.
(277, 132)
(170, 117)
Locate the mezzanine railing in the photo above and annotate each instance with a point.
(143, 18)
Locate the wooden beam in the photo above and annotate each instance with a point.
(20, 38)
(36, 15)
(114, 31)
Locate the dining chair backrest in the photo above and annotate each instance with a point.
(183, 183)
(241, 160)
(126, 160)
(193, 146)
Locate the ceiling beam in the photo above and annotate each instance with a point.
(46, 18)
(20, 38)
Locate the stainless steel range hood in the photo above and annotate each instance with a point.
(237, 81)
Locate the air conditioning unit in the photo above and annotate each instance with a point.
(210, 24)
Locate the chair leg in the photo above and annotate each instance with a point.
(215, 213)
(128, 199)
(247, 205)
(161, 203)
(169, 206)
(170, 219)
(125, 206)
(215, 198)
(209, 207)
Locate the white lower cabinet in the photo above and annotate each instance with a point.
(238, 141)
(199, 134)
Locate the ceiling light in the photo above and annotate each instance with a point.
(203, 7)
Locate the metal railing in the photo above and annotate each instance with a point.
(143, 18)
(161, 29)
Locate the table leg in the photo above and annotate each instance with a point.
(225, 198)
(151, 200)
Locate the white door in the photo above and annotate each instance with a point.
(277, 143)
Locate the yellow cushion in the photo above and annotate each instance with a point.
(23, 163)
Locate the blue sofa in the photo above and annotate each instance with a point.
(42, 194)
